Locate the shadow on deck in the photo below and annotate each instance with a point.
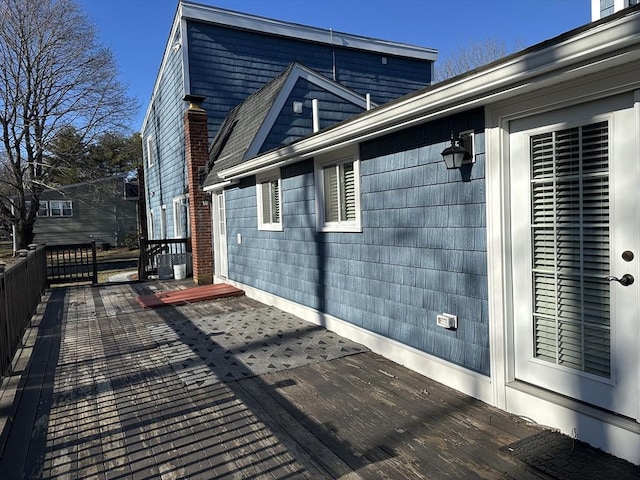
(233, 388)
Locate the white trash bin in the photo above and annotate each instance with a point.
(180, 271)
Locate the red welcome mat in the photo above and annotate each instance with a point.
(189, 295)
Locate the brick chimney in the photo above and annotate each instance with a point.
(197, 151)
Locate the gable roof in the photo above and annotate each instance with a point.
(593, 48)
(188, 11)
(245, 129)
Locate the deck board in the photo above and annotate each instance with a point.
(188, 295)
(110, 397)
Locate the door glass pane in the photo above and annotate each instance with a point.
(221, 219)
(570, 245)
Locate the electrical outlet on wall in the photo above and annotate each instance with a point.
(447, 320)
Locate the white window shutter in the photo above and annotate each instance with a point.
(348, 192)
(275, 201)
(570, 240)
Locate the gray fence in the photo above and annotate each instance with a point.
(21, 287)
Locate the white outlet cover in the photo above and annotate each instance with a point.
(447, 320)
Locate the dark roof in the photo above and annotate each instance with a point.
(238, 130)
(234, 142)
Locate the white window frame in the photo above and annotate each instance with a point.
(59, 205)
(330, 160)
(180, 209)
(151, 227)
(150, 153)
(264, 181)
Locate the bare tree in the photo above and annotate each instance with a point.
(471, 56)
(53, 76)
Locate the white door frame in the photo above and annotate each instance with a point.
(498, 117)
(220, 258)
(618, 392)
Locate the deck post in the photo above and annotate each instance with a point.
(95, 262)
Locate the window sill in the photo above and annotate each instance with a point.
(270, 228)
(341, 228)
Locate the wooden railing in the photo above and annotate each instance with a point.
(72, 263)
(151, 249)
(21, 287)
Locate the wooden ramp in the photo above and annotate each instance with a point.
(189, 295)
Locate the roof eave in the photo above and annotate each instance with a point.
(589, 50)
(168, 50)
(209, 14)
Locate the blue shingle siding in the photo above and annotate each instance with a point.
(228, 65)
(385, 77)
(166, 179)
(422, 250)
(291, 126)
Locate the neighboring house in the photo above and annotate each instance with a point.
(602, 8)
(222, 57)
(104, 211)
(360, 227)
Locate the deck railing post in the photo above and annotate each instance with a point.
(142, 259)
(94, 259)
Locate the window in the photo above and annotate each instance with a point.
(338, 194)
(150, 153)
(43, 209)
(180, 217)
(60, 208)
(269, 202)
(163, 221)
(570, 242)
(151, 225)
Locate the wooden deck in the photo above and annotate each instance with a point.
(232, 388)
(188, 295)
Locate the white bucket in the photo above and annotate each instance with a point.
(180, 271)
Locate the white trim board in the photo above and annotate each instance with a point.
(299, 72)
(590, 51)
(595, 427)
(176, 27)
(453, 376)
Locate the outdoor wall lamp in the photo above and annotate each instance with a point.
(460, 152)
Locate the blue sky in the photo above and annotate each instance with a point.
(137, 30)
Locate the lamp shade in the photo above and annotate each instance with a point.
(460, 152)
(454, 156)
